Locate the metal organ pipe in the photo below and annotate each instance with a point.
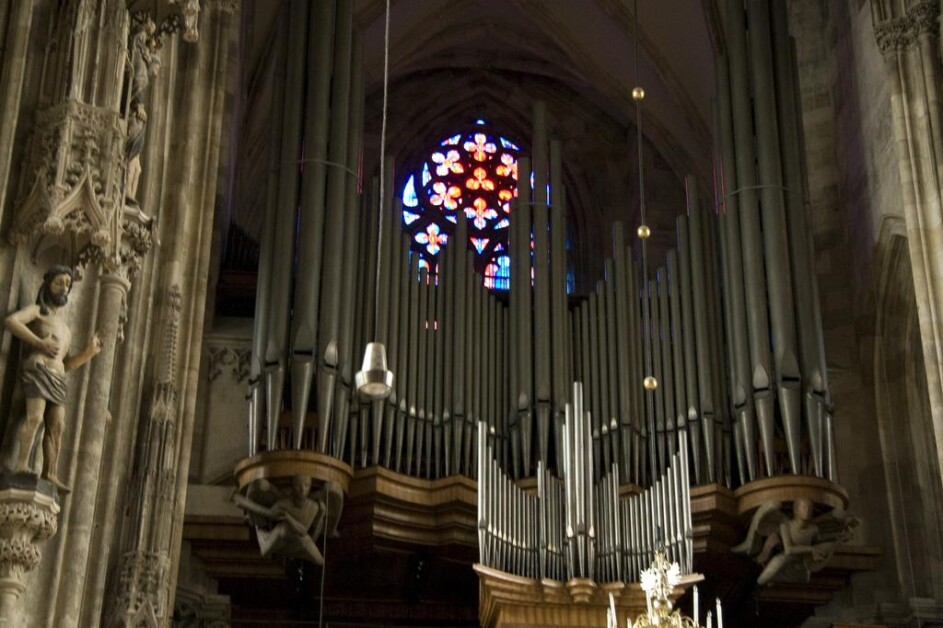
(304, 327)
(346, 352)
(740, 347)
(775, 232)
(800, 251)
(612, 410)
(256, 395)
(276, 351)
(624, 340)
(521, 229)
(328, 324)
(559, 351)
(543, 339)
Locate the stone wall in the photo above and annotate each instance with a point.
(857, 211)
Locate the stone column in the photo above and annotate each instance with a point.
(12, 70)
(907, 34)
(74, 557)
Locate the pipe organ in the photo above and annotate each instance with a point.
(728, 325)
(579, 526)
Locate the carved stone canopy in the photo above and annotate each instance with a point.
(72, 192)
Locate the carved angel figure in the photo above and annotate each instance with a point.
(287, 523)
(792, 549)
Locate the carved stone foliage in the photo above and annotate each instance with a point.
(73, 174)
(28, 515)
(895, 32)
(234, 360)
(139, 600)
(22, 525)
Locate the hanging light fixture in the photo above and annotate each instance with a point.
(644, 232)
(374, 381)
(658, 583)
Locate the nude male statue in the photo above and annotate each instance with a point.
(46, 339)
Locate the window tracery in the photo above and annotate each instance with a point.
(474, 175)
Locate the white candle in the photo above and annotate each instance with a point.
(710, 621)
(720, 615)
(696, 614)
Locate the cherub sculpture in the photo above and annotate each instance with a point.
(288, 523)
(791, 550)
(46, 342)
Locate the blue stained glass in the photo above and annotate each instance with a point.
(480, 243)
(472, 179)
(498, 273)
(508, 144)
(409, 195)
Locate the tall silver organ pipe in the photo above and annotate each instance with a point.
(775, 233)
(741, 401)
(754, 280)
(812, 359)
(542, 279)
(483, 382)
(276, 350)
(304, 324)
(328, 352)
(575, 526)
(521, 289)
(256, 395)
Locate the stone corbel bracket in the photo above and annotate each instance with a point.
(29, 508)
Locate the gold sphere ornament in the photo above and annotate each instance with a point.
(650, 383)
(638, 94)
(644, 232)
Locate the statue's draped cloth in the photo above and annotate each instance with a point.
(39, 381)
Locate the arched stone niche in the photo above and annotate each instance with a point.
(904, 420)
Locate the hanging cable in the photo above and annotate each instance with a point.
(386, 82)
(644, 231)
(327, 524)
(375, 381)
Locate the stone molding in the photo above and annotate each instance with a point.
(195, 607)
(235, 360)
(139, 600)
(904, 32)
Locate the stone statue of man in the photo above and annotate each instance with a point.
(46, 341)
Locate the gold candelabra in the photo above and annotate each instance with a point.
(658, 583)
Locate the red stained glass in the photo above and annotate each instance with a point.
(471, 174)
